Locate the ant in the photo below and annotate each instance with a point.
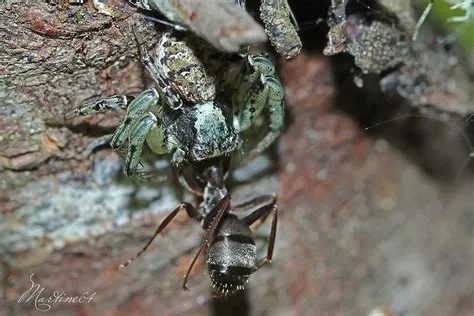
(231, 253)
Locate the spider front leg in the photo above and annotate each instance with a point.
(138, 134)
(102, 105)
(143, 102)
(139, 124)
(258, 86)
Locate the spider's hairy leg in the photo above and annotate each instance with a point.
(247, 85)
(275, 102)
(141, 129)
(259, 86)
(136, 109)
(102, 105)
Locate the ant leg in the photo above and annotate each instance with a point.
(153, 176)
(188, 272)
(263, 213)
(254, 203)
(189, 208)
(215, 217)
(219, 211)
(253, 206)
(271, 240)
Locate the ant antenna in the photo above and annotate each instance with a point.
(471, 148)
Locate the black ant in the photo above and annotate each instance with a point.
(231, 253)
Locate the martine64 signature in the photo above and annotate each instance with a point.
(44, 302)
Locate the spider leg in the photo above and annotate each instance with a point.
(136, 109)
(153, 176)
(465, 5)
(105, 9)
(248, 83)
(98, 142)
(241, 3)
(258, 86)
(102, 105)
(275, 102)
(144, 128)
(189, 208)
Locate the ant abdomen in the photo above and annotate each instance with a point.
(232, 255)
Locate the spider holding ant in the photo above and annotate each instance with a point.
(231, 253)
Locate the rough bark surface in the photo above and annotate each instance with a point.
(361, 227)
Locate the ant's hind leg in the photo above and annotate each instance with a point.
(262, 214)
(271, 239)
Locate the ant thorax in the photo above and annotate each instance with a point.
(213, 193)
